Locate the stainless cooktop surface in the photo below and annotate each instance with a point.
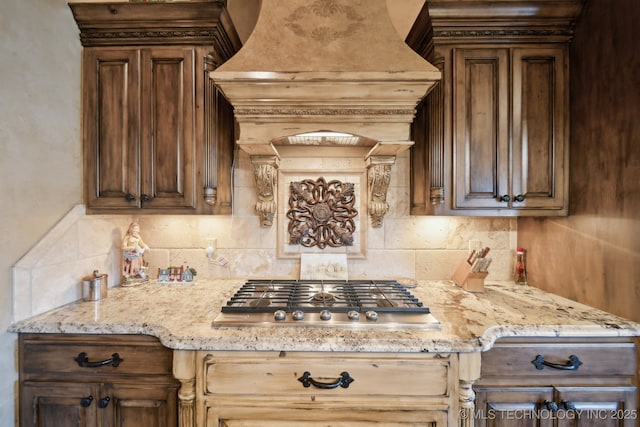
(358, 303)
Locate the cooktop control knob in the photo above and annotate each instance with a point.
(325, 315)
(280, 315)
(371, 315)
(353, 315)
(297, 315)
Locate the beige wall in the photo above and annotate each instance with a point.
(39, 151)
(593, 256)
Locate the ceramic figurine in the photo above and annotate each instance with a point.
(134, 270)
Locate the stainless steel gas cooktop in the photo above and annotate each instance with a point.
(359, 303)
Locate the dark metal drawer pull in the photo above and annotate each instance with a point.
(83, 361)
(570, 365)
(85, 402)
(343, 381)
(104, 402)
(551, 406)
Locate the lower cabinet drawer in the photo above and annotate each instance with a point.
(61, 354)
(339, 375)
(524, 357)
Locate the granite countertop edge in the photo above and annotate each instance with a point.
(180, 317)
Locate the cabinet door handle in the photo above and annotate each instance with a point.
(505, 198)
(571, 364)
(569, 406)
(145, 198)
(85, 402)
(519, 198)
(342, 381)
(104, 402)
(83, 361)
(129, 197)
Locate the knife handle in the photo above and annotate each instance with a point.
(471, 258)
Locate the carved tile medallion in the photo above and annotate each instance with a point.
(321, 213)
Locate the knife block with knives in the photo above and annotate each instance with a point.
(471, 272)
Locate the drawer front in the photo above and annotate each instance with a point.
(273, 374)
(62, 355)
(554, 359)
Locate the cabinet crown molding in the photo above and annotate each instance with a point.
(104, 24)
(494, 21)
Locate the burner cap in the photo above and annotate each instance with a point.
(323, 299)
(260, 302)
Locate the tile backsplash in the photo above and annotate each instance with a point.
(423, 247)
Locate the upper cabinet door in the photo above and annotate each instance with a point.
(540, 146)
(480, 127)
(111, 90)
(167, 128)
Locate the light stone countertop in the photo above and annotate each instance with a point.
(181, 317)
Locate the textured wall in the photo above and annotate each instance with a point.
(40, 170)
(593, 256)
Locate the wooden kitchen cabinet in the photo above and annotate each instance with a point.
(126, 381)
(510, 147)
(268, 389)
(493, 137)
(599, 391)
(158, 136)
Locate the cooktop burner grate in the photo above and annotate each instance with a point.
(348, 303)
(265, 296)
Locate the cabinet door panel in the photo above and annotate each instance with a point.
(538, 127)
(167, 128)
(224, 146)
(356, 417)
(288, 423)
(111, 112)
(141, 406)
(57, 405)
(480, 117)
(513, 406)
(597, 406)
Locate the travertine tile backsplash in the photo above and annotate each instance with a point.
(405, 246)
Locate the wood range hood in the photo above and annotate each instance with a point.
(324, 65)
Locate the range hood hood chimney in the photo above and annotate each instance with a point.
(324, 65)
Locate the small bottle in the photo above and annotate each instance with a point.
(520, 276)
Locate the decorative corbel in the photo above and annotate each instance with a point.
(379, 176)
(266, 176)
